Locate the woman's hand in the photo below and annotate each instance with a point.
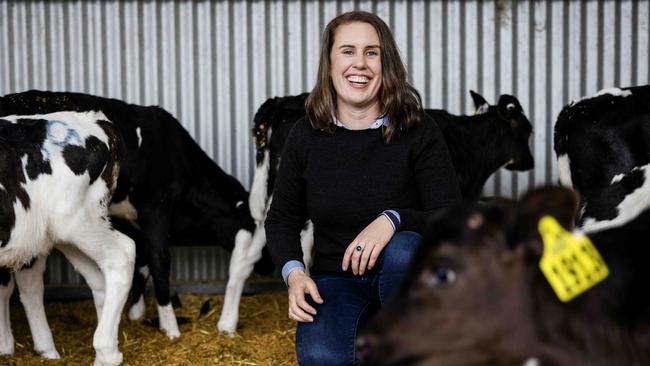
(371, 241)
(299, 285)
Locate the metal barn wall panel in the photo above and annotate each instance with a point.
(212, 64)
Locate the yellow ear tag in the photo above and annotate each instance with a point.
(570, 263)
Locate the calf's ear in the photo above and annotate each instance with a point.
(480, 104)
(559, 202)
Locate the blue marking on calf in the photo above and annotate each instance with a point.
(71, 137)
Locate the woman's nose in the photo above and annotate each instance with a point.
(360, 61)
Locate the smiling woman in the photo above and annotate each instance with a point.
(357, 46)
(356, 74)
(366, 166)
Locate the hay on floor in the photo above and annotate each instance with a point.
(265, 335)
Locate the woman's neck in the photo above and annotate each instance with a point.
(358, 118)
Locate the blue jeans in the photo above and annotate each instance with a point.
(350, 301)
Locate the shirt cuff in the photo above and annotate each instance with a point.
(290, 266)
(393, 217)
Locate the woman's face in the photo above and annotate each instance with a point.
(356, 65)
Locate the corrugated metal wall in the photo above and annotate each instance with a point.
(213, 63)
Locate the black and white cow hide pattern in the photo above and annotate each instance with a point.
(602, 144)
(58, 173)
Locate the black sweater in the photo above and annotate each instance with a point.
(343, 181)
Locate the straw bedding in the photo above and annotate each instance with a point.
(265, 335)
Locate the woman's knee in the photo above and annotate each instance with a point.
(401, 247)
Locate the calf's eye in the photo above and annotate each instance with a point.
(440, 276)
(510, 106)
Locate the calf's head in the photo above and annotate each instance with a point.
(512, 126)
(465, 299)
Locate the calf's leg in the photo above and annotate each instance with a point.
(155, 229)
(141, 273)
(138, 307)
(114, 253)
(246, 252)
(6, 289)
(30, 286)
(89, 271)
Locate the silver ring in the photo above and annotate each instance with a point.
(359, 248)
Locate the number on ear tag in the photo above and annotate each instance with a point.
(570, 263)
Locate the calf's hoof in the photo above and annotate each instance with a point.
(6, 350)
(226, 329)
(171, 333)
(108, 358)
(50, 354)
(227, 333)
(6, 344)
(168, 323)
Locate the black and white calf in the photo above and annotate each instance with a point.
(170, 189)
(602, 145)
(58, 173)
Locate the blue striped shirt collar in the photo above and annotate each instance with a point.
(379, 122)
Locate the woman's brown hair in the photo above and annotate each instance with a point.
(399, 100)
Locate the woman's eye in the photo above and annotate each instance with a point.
(372, 53)
(347, 52)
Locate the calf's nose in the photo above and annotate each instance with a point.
(363, 350)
